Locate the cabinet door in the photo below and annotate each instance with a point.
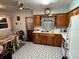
(36, 38)
(68, 17)
(50, 40)
(43, 38)
(58, 40)
(75, 12)
(61, 20)
(37, 21)
(78, 10)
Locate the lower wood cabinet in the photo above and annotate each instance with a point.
(57, 40)
(36, 38)
(43, 38)
(49, 39)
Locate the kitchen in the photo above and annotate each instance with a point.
(43, 25)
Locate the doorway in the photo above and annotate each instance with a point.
(29, 28)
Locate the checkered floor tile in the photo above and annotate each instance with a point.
(37, 51)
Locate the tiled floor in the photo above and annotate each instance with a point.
(36, 51)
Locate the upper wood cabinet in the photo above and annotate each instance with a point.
(68, 17)
(78, 10)
(37, 20)
(72, 13)
(75, 12)
(61, 20)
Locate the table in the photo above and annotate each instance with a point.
(4, 40)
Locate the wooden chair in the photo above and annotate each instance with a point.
(11, 45)
(16, 42)
(1, 49)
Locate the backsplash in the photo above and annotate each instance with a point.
(48, 22)
(63, 30)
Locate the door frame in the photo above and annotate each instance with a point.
(26, 23)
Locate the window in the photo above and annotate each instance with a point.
(3, 23)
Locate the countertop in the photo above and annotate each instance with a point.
(53, 32)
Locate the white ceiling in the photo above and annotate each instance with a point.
(32, 4)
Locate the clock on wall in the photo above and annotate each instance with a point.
(47, 11)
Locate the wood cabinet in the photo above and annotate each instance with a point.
(49, 39)
(78, 10)
(36, 38)
(37, 20)
(57, 40)
(68, 17)
(61, 20)
(39, 38)
(43, 38)
(72, 13)
(75, 12)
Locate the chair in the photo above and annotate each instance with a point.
(1, 49)
(14, 43)
(18, 41)
(11, 45)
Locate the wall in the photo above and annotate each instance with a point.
(53, 10)
(74, 4)
(22, 24)
(24, 14)
(7, 30)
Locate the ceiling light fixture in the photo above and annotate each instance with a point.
(1, 6)
(1, 17)
(21, 8)
(45, 2)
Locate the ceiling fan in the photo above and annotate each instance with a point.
(21, 6)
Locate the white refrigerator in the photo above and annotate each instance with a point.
(74, 37)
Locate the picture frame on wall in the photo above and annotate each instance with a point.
(18, 18)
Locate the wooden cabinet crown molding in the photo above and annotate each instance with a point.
(73, 9)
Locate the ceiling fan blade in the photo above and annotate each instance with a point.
(21, 5)
(27, 9)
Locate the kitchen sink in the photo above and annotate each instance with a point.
(44, 31)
